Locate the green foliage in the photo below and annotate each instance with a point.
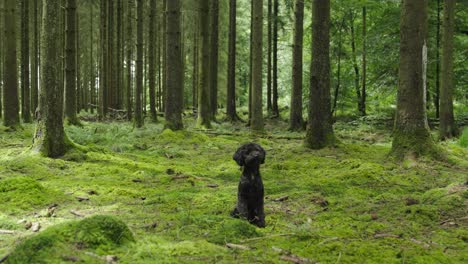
(464, 138)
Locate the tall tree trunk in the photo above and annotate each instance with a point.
(250, 61)
(139, 67)
(92, 75)
(338, 71)
(355, 65)
(129, 33)
(214, 57)
(411, 135)
(195, 67)
(257, 65)
(164, 56)
(103, 72)
(111, 83)
(204, 108)
(25, 88)
(50, 138)
(152, 60)
(2, 53)
(35, 59)
(437, 84)
(295, 116)
(79, 89)
(448, 127)
(269, 51)
(120, 57)
(10, 73)
(174, 96)
(70, 67)
(274, 105)
(362, 104)
(320, 129)
(231, 76)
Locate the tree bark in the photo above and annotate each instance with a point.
(274, 103)
(130, 43)
(70, 66)
(25, 82)
(362, 104)
(269, 51)
(35, 59)
(437, 84)
(448, 127)
(152, 60)
(204, 106)
(257, 65)
(139, 67)
(214, 57)
(320, 129)
(103, 72)
(295, 117)
(355, 66)
(231, 76)
(10, 74)
(50, 138)
(174, 96)
(411, 135)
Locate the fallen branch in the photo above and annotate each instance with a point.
(281, 199)
(236, 246)
(4, 258)
(265, 237)
(6, 232)
(76, 213)
(386, 235)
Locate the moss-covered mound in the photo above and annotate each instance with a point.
(82, 241)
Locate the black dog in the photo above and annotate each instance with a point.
(250, 192)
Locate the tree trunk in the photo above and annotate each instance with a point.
(79, 89)
(129, 33)
(338, 74)
(437, 84)
(174, 96)
(214, 57)
(355, 66)
(231, 76)
(204, 107)
(295, 117)
(250, 61)
(139, 67)
(70, 67)
(92, 64)
(152, 60)
(448, 127)
(35, 59)
(319, 129)
(362, 104)
(269, 51)
(120, 56)
(10, 74)
(411, 135)
(257, 65)
(195, 67)
(103, 73)
(50, 139)
(274, 105)
(2, 53)
(25, 88)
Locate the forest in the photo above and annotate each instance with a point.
(233, 131)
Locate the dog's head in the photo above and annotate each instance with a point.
(250, 155)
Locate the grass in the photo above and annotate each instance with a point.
(175, 190)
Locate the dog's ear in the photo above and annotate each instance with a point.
(239, 156)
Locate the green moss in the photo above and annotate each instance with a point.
(24, 193)
(232, 231)
(101, 233)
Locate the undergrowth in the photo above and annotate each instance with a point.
(175, 190)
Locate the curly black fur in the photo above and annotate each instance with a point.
(250, 192)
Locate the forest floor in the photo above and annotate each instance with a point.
(175, 191)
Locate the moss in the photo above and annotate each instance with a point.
(100, 233)
(24, 193)
(414, 143)
(232, 231)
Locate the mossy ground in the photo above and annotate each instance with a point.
(175, 190)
